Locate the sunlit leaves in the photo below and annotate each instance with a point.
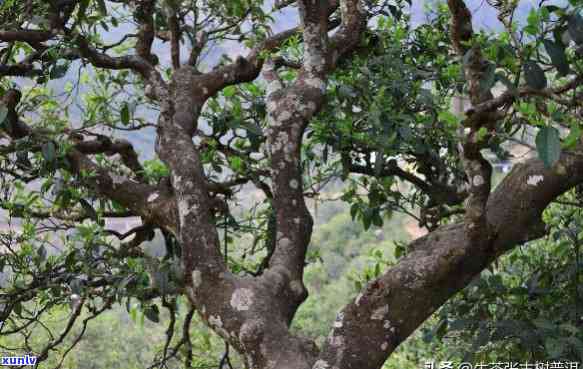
(125, 114)
(533, 22)
(449, 118)
(575, 134)
(524, 306)
(155, 169)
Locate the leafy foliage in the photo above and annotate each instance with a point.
(528, 306)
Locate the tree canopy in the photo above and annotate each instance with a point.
(399, 118)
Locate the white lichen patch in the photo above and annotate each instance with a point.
(285, 242)
(153, 197)
(182, 210)
(316, 83)
(242, 299)
(321, 364)
(534, 180)
(272, 87)
(384, 346)
(294, 184)
(358, 298)
(478, 180)
(117, 179)
(387, 324)
(284, 115)
(196, 278)
(380, 313)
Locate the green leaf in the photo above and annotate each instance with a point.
(534, 75)
(76, 286)
(253, 89)
(125, 114)
(49, 151)
(544, 324)
(554, 347)
(58, 71)
(42, 253)
(575, 28)
(481, 134)
(82, 12)
(17, 308)
(449, 118)
(252, 128)
(236, 163)
(379, 163)
(229, 91)
(441, 329)
(557, 54)
(367, 219)
(3, 114)
(89, 210)
(574, 135)
(102, 7)
(134, 314)
(548, 145)
(354, 209)
(152, 313)
(533, 22)
(377, 220)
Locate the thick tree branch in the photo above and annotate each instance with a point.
(438, 265)
(150, 202)
(478, 169)
(144, 14)
(28, 36)
(122, 147)
(174, 37)
(440, 193)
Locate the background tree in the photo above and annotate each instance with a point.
(352, 95)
